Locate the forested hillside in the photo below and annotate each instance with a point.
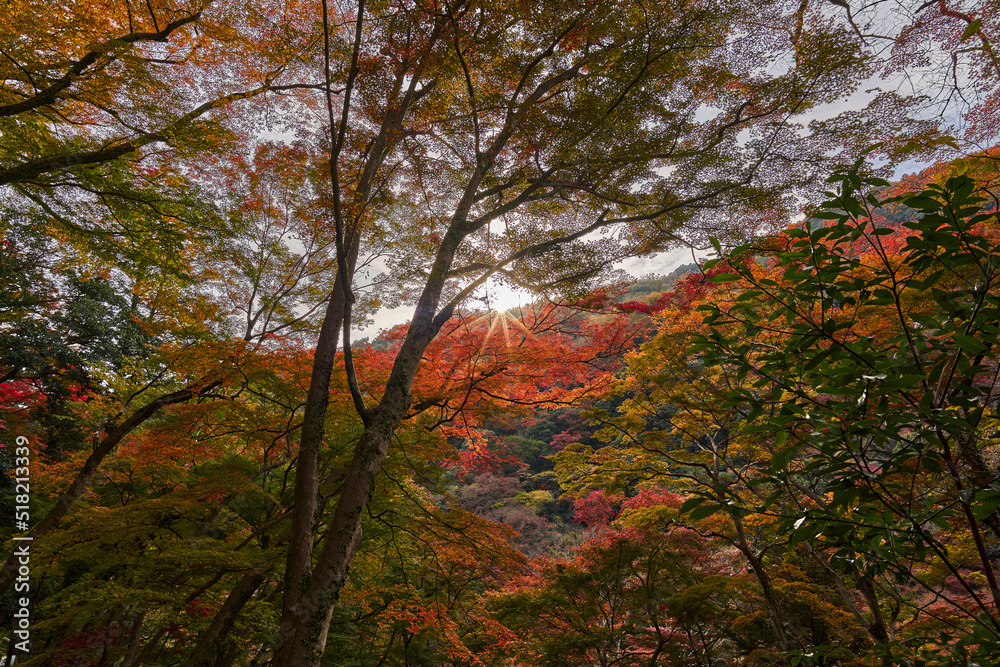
(782, 455)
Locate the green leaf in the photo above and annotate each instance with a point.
(969, 344)
(932, 463)
(704, 512)
(784, 457)
(724, 278)
(691, 503)
(971, 29)
(923, 203)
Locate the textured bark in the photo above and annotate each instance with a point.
(877, 627)
(298, 566)
(303, 640)
(307, 638)
(303, 637)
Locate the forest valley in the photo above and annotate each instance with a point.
(783, 455)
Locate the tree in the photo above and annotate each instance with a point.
(104, 107)
(947, 51)
(578, 137)
(105, 112)
(717, 420)
(473, 140)
(871, 364)
(630, 597)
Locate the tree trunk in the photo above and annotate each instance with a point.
(302, 637)
(133, 641)
(308, 636)
(212, 644)
(298, 567)
(765, 585)
(304, 519)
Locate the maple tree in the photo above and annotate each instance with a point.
(629, 598)
(948, 49)
(568, 121)
(191, 262)
(103, 107)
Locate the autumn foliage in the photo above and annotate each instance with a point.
(780, 455)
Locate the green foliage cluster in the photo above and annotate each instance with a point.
(888, 431)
